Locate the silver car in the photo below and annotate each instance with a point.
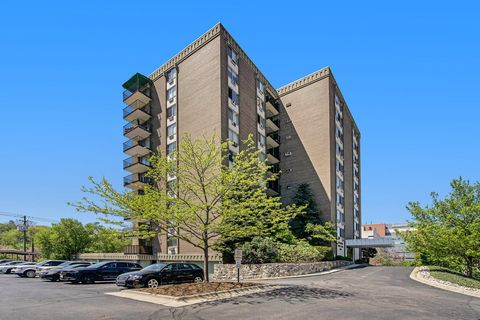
(30, 270)
(7, 267)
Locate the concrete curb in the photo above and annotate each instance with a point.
(170, 301)
(418, 275)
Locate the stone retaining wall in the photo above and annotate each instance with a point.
(228, 272)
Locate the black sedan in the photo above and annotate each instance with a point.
(161, 273)
(54, 274)
(102, 271)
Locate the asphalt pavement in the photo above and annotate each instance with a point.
(367, 293)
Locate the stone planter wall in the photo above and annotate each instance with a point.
(228, 272)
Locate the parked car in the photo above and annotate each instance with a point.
(30, 270)
(54, 273)
(19, 268)
(102, 271)
(7, 267)
(161, 273)
(5, 261)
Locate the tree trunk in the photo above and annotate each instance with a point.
(469, 267)
(205, 264)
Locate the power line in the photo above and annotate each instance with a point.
(33, 218)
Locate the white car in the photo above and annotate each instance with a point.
(23, 268)
(7, 267)
(30, 270)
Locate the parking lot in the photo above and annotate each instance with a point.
(369, 293)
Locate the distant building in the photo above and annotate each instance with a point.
(392, 231)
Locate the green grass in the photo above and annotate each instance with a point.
(454, 277)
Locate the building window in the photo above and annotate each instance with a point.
(171, 75)
(338, 116)
(339, 182)
(260, 86)
(172, 111)
(172, 185)
(261, 140)
(338, 133)
(233, 55)
(171, 93)
(232, 76)
(171, 147)
(339, 149)
(261, 156)
(260, 105)
(233, 96)
(172, 129)
(339, 166)
(233, 117)
(260, 120)
(230, 156)
(233, 137)
(340, 199)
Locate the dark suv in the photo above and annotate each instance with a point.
(102, 271)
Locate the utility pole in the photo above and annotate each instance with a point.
(24, 238)
(33, 248)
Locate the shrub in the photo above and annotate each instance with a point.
(260, 250)
(301, 251)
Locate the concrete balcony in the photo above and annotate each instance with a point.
(271, 109)
(137, 146)
(271, 126)
(272, 159)
(271, 142)
(137, 88)
(135, 129)
(136, 181)
(141, 115)
(132, 97)
(136, 164)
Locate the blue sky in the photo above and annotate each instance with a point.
(409, 72)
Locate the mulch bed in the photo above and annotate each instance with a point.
(188, 289)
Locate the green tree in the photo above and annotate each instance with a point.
(311, 214)
(11, 238)
(10, 225)
(210, 193)
(448, 232)
(44, 241)
(69, 237)
(104, 239)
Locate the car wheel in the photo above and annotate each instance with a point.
(152, 283)
(198, 279)
(30, 274)
(87, 279)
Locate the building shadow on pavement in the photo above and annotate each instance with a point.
(287, 294)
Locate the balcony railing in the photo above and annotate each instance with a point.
(135, 160)
(137, 249)
(136, 178)
(130, 109)
(132, 126)
(137, 141)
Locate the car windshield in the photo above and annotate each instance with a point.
(153, 267)
(97, 265)
(64, 264)
(74, 266)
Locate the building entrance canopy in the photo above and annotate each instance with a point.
(369, 243)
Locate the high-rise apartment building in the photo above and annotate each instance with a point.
(304, 129)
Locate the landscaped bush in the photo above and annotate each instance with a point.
(454, 277)
(266, 250)
(301, 251)
(260, 250)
